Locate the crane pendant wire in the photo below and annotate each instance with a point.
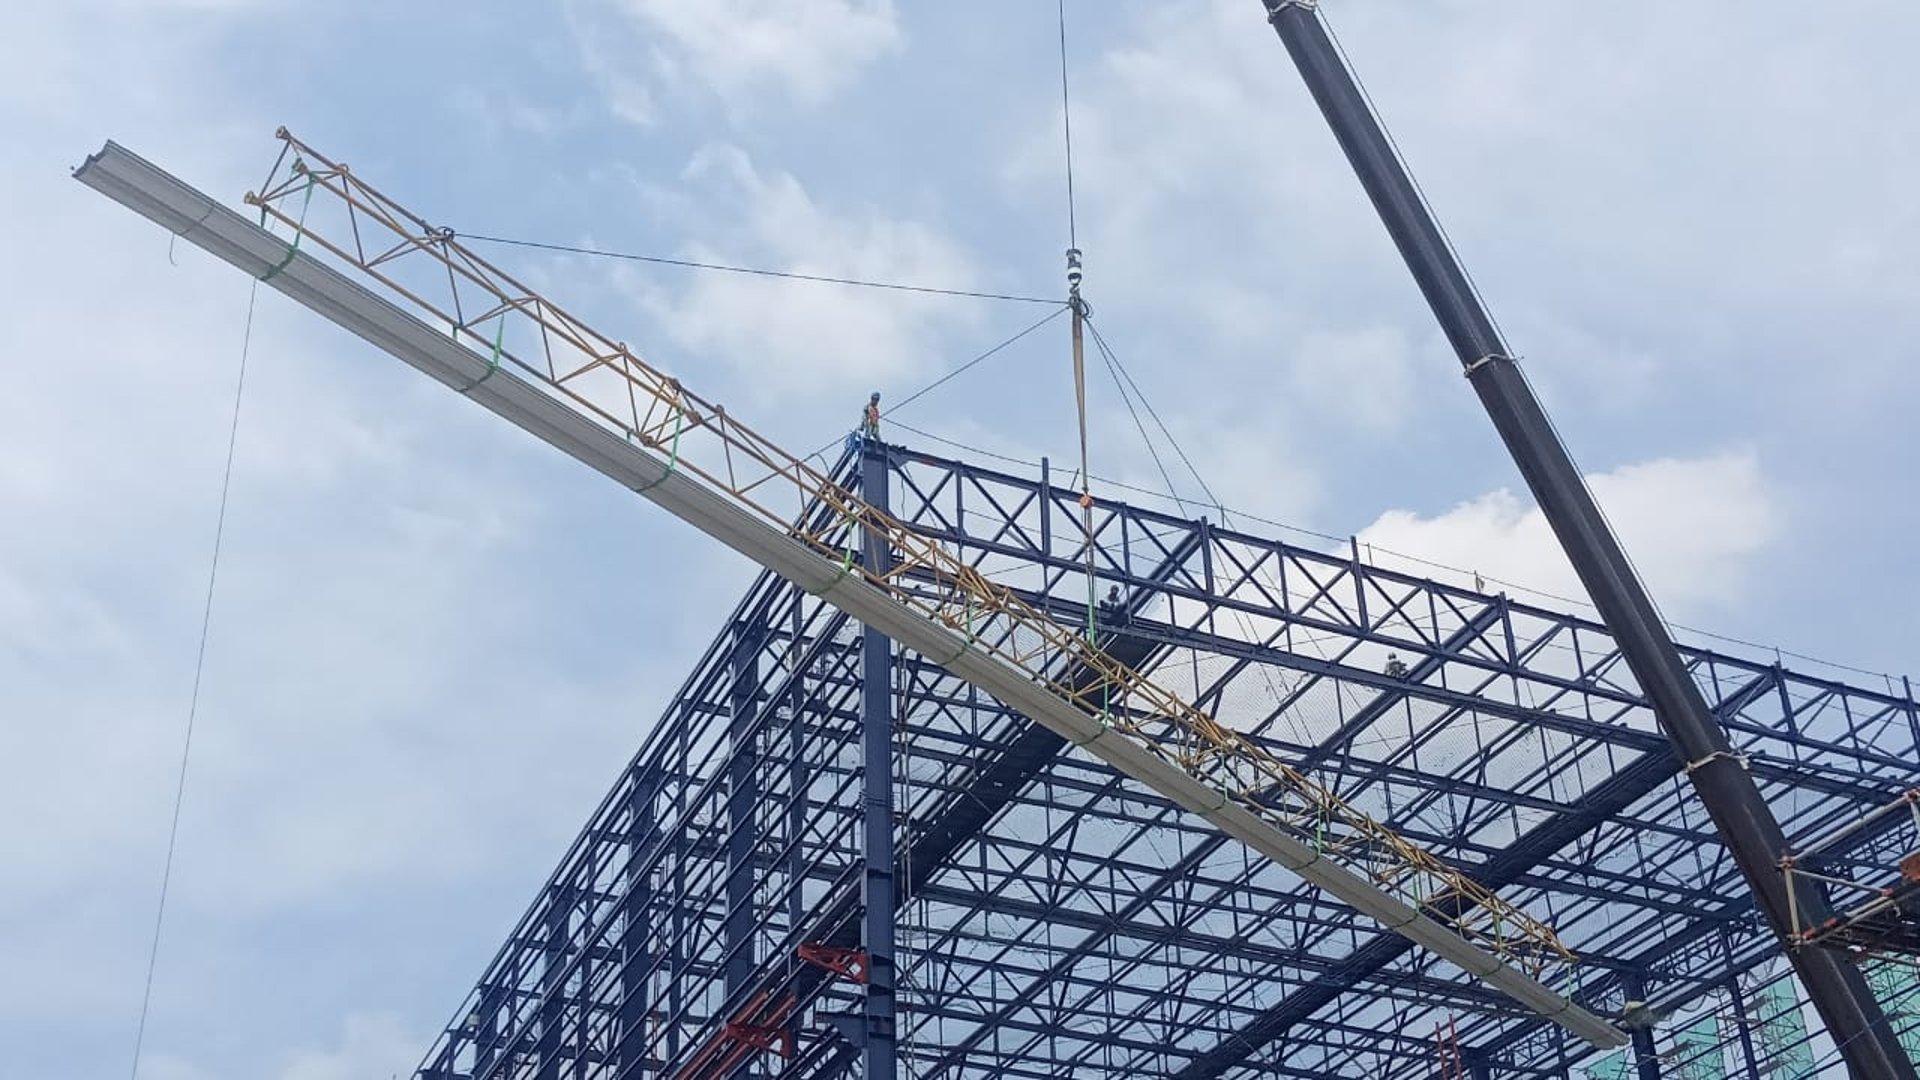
(199, 669)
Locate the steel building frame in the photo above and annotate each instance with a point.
(1050, 918)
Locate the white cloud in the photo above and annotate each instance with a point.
(1689, 225)
(371, 1045)
(168, 1067)
(1259, 470)
(368, 1046)
(1202, 195)
(810, 340)
(1645, 211)
(1362, 378)
(511, 121)
(739, 50)
(370, 578)
(1693, 528)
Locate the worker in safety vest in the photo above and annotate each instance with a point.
(870, 420)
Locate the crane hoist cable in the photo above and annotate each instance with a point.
(1066, 129)
(1079, 308)
(1078, 305)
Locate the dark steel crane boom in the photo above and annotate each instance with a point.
(1837, 988)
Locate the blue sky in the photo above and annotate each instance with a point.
(435, 641)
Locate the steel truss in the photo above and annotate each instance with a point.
(1054, 919)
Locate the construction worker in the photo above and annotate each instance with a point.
(1113, 609)
(870, 420)
(1395, 669)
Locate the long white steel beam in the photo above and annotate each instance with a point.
(164, 199)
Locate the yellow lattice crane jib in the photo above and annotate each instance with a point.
(740, 462)
(1153, 735)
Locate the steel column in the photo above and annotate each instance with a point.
(1646, 1058)
(1743, 1026)
(633, 1048)
(796, 750)
(1752, 834)
(679, 955)
(488, 1028)
(743, 798)
(1913, 708)
(553, 1003)
(880, 890)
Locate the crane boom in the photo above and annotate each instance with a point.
(593, 398)
(1746, 823)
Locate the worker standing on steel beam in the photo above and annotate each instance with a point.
(869, 426)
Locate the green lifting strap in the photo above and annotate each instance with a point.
(298, 230)
(1093, 641)
(846, 560)
(673, 451)
(493, 362)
